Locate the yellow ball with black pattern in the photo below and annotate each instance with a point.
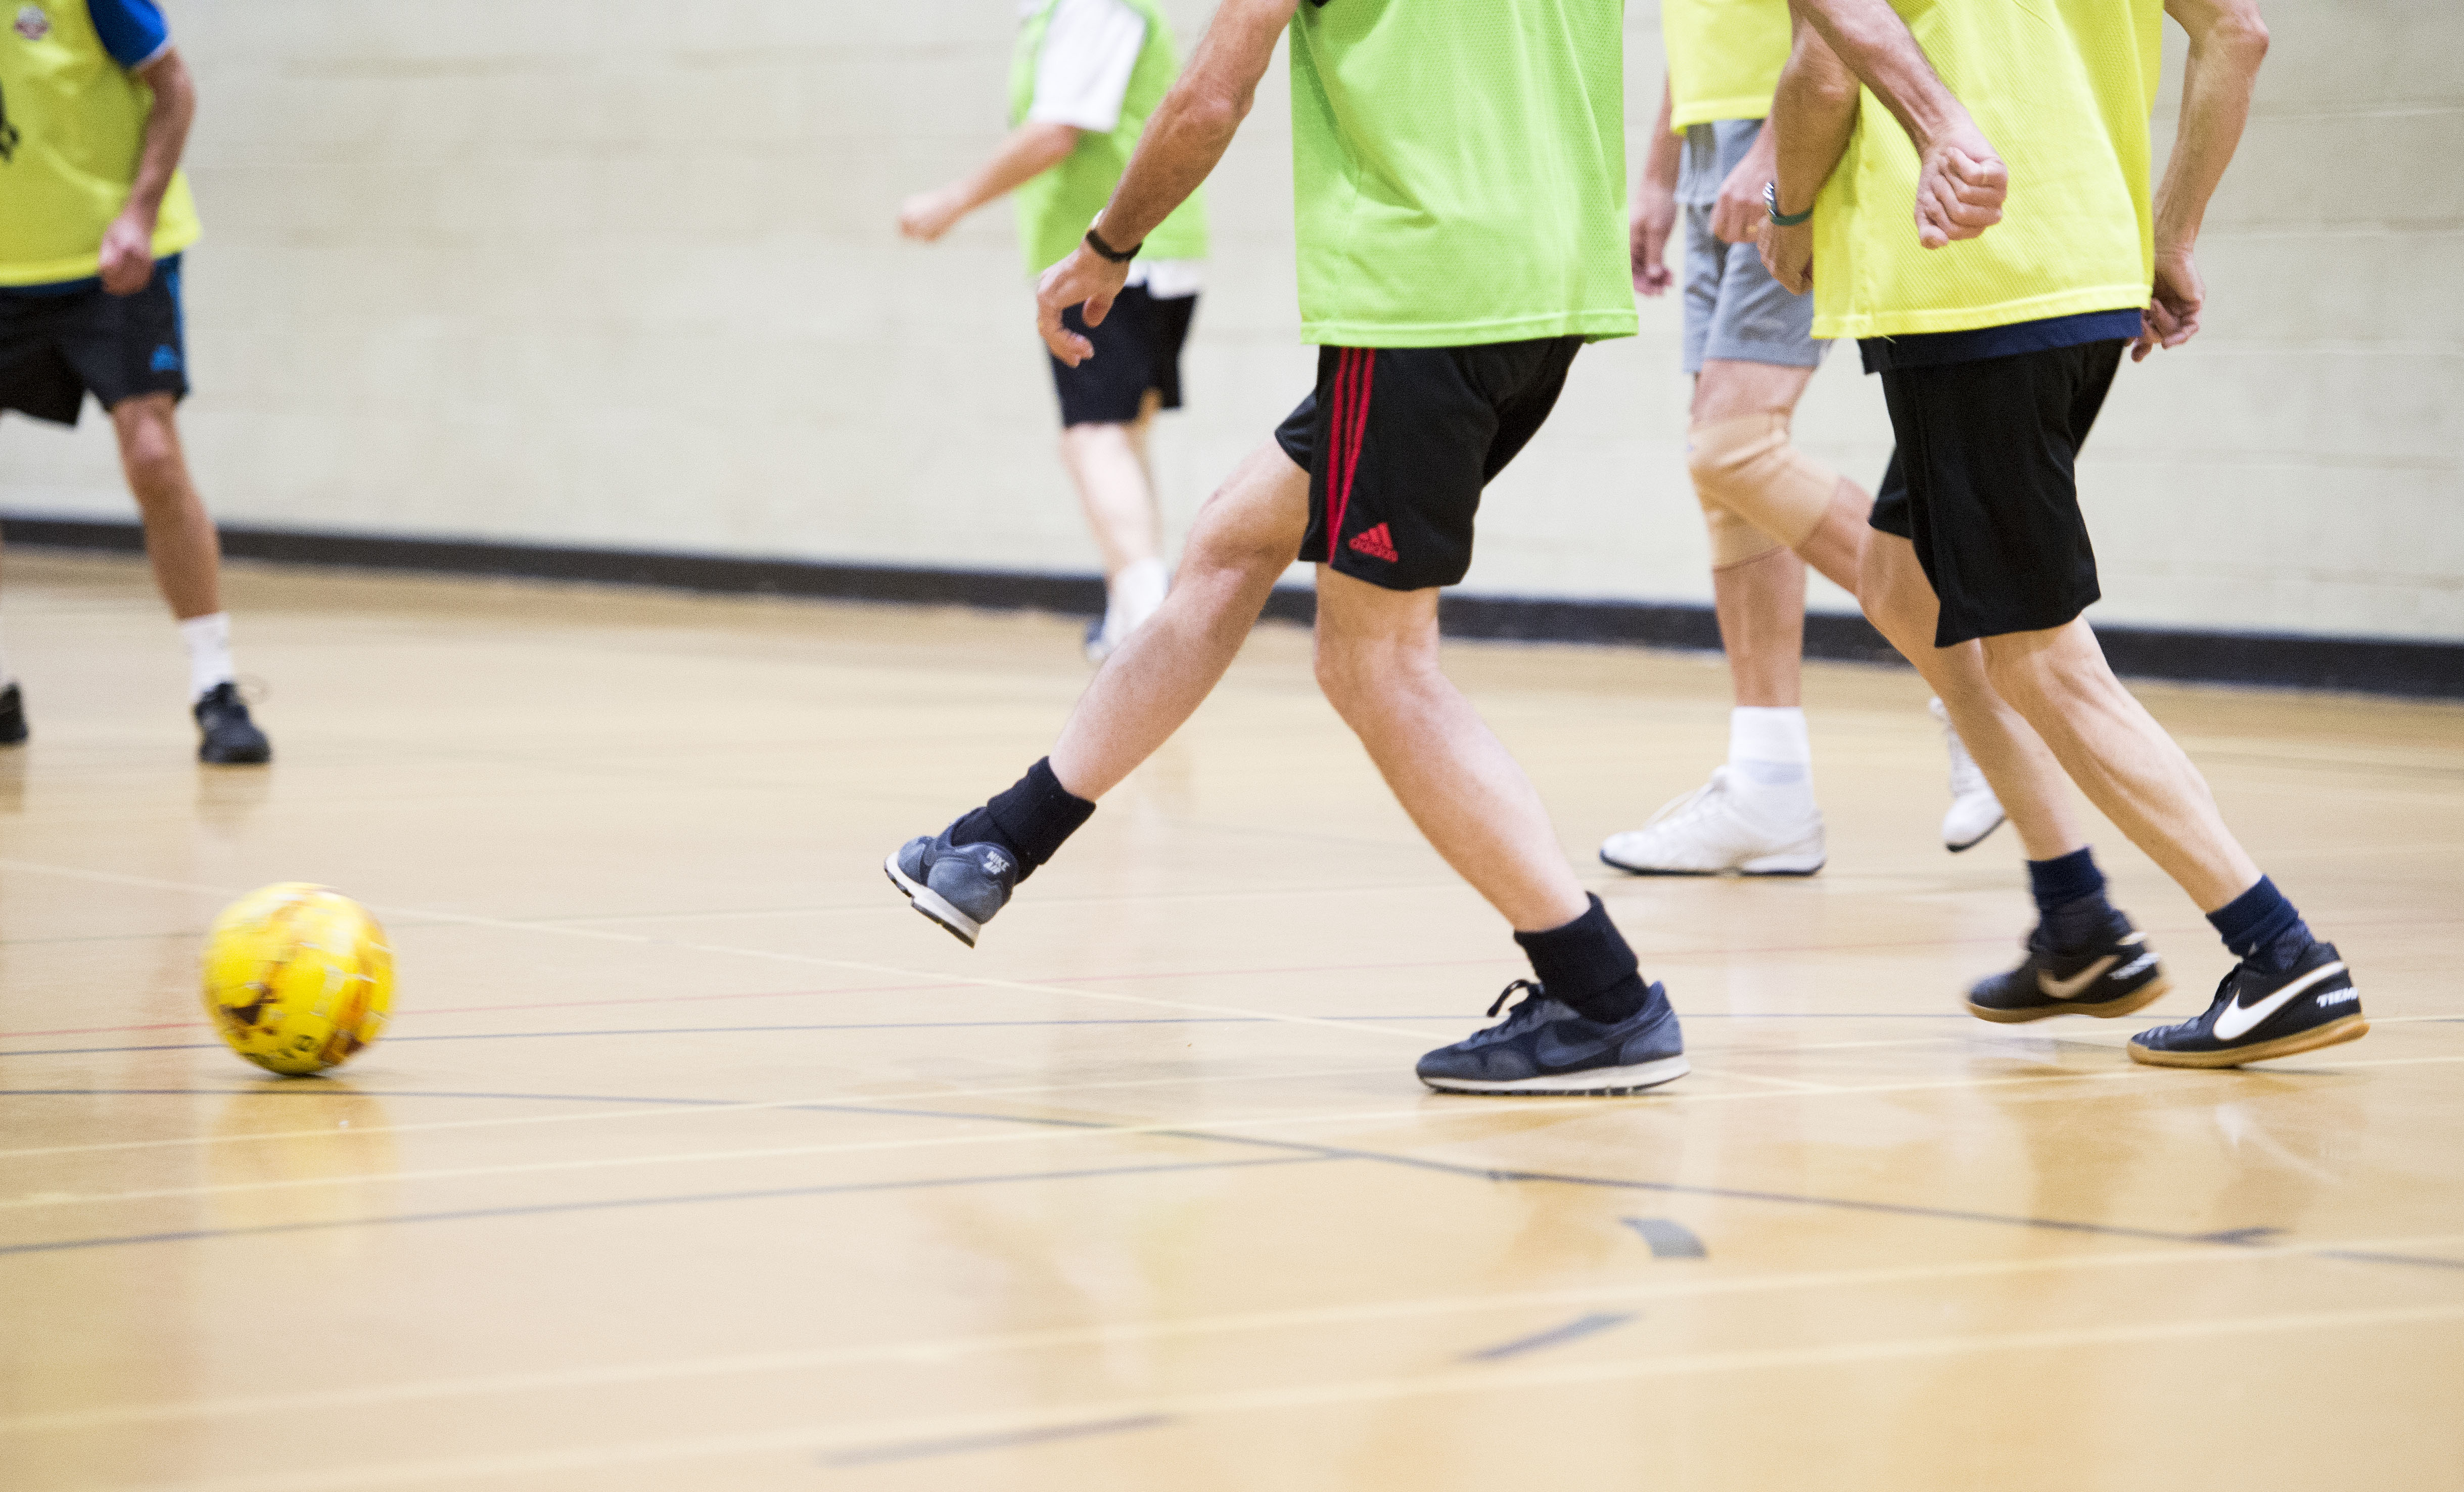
(298, 977)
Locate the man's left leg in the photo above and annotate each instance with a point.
(186, 557)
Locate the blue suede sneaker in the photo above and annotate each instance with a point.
(1543, 1047)
(958, 886)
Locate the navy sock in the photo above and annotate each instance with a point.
(2259, 918)
(1587, 964)
(1030, 820)
(2070, 899)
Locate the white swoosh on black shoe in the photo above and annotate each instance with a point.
(2237, 1020)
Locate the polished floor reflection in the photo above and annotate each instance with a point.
(695, 1159)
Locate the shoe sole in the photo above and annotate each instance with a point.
(1961, 849)
(2335, 1033)
(934, 907)
(1768, 866)
(234, 760)
(2136, 1000)
(1604, 1083)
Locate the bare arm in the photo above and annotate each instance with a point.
(1655, 204)
(1812, 115)
(1960, 183)
(1025, 153)
(2228, 42)
(1183, 139)
(128, 243)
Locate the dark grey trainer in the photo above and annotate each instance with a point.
(2267, 1010)
(958, 886)
(2114, 975)
(1543, 1047)
(226, 736)
(13, 716)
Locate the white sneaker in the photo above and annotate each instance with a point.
(1722, 826)
(1974, 811)
(1135, 595)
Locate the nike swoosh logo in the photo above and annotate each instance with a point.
(2072, 987)
(1553, 1054)
(2237, 1019)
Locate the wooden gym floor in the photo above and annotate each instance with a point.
(695, 1159)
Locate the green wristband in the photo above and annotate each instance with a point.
(1770, 205)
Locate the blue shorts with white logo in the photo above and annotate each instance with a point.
(59, 342)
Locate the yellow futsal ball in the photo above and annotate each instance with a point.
(298, 977)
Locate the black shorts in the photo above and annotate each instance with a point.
(1399, 441)
(1136, 348)
(55, 346)
(1982, 485)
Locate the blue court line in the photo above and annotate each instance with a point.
(467, 1214)
(1308, 1151)
(911, 1449)
(1575, 1330)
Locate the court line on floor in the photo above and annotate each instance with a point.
(618, 1204)
(939, 1351)
(1043, 1127)
(1453, 1383)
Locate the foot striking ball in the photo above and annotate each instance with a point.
(298, 977)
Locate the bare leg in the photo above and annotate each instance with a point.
(1899, 602)
(1107, 464)
(1243, 539)
(2120, 758)
(179, 538)
(1377, 663)
(1761, 601)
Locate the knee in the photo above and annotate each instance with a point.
(1758, 491)
(2020, 676)
(149, 450)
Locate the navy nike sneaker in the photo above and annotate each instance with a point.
(1544, 1047)
(2113, 974)
(2262, 1010)
(12, 715)
(226, 737)
(958, 886)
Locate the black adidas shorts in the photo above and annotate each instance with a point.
(1136, 348)
(1982, 485)
(1399, 441)
(58, 346)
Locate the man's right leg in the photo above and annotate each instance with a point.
(1243, 539)
(1107, 462)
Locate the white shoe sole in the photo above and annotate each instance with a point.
(1761, 865)
(931, 902)
(1977, 838)
(1595, 1082)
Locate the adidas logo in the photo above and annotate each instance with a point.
(1377, 544)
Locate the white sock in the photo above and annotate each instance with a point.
(1136, 591)
(209, 658)
(1769, 749)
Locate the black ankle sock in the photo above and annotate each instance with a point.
(1030, 820)
(2070, 899)
(1587, 964)
(2259, 918)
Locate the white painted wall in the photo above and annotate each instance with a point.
(623, 273)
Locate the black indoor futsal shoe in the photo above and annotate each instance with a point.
(2267, 1005)
(2113, 974)
(226, 736)
(1546, 1048)
(13, 716)
(959, 887)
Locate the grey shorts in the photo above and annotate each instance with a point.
(1735, 310)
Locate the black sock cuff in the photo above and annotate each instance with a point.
(2064, 880)
(1038, 814)
(2254, 919)
(1582, 960)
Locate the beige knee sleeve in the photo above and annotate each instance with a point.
(1758, 492)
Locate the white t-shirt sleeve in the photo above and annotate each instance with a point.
(1089, 49)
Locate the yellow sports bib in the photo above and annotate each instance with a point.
(71, 124)
(2062, 89)
(1724, 58)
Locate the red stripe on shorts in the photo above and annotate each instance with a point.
(1366, 363)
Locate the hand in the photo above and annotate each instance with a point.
(2172, 315)
(1655, 216)
(1738, 215)
(1084, 279)
(1787, 253)
(1960, 185)
(929, 214)
(128, 254)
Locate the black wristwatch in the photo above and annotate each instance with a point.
(1770, 205)
(1103, 250)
